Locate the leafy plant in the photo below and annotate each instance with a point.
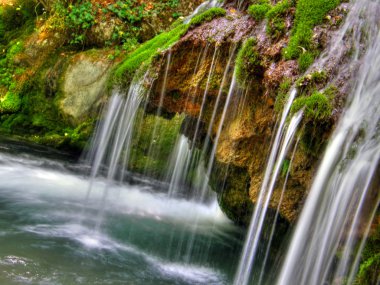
(128, 10)
(80, 19)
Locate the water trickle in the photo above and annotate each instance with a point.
(342, 195)
(281, 145)
(203, 7)
(152, 148)
(179, 165)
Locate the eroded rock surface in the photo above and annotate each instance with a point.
(202, 62)
(84, 83)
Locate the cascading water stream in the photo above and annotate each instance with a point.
(342, 195)
(203, 7)
(185, 156)
(274, 223)
(152, 147)
(279, 150)
(180, 164)
(114, 137)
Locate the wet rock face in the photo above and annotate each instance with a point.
(206, 50)
(203, 62)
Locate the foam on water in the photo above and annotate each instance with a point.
(126, 199)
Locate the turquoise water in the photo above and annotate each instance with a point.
(48, 236)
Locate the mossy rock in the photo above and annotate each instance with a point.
(248, 63)
(308, 15)
(232, 185)
(142, 56)
(276, 27)
(153, 141)
(83, 84)
(258, 11)
(207, 16)
(14, 17)
(317, 107)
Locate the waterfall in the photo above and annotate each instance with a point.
(203, 7)
(179, 165)
(342, 196)
(185, 157)
(112, 142)
(281, 145)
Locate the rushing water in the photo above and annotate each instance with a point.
(343, 199)
(47, 238)
(281, 145)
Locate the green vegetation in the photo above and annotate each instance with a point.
(80, 19)
(305, 60)
(10, 72)
(317, 107)
(258, 11)
(369, 270)
(150, 153)
(308, 14)
(317, 110)
(82, 16)
(207, 16)
(232, 184)
(282, 94)
(276, 19)
(145, 53)
(10, 103)
(14, 17)
(275, 14)
(285, 168)
(248, 62)
(307, 84)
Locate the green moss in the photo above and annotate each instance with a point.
(331, 92)
(258, 11)
(282, 94)
(305, 60)
(71, 139)
(276, 27)
(207, 16)
(308, 14)
(248, 62)
(10, 103)
(150, 150)
(285, 168)
(369, 270)
(232, 184)
(317, 107)
(307, 84)
(279, 9)
(145, 53)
